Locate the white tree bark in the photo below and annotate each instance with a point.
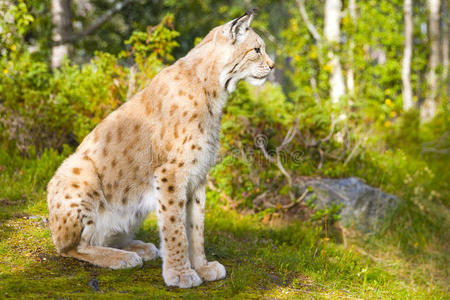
(429, 106)
(445, 43)
(407, 55)
(312, 29)
(350, 74)
(332, 31)
(62, 31)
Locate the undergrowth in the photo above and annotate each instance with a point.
(263, 259)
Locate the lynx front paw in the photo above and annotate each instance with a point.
(212, 271)
(183, 279)
(129, 260)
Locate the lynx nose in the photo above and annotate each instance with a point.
(271, 64)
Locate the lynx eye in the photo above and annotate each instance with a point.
(257, 50)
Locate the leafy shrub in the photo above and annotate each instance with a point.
(250, 113)
(15, 20)
(46, 109)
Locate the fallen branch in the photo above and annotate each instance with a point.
(433, 150)
(322, 156)
(286, 141)
(315, 143)
(330, 134)
(299, 199)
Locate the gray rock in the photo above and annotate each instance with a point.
(363, 206)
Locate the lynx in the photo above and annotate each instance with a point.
(154, 153)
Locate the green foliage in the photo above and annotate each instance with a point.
(15, 21)
(250, 112)
(153, 49)
(70, 101)
(158, 42)
(44, 109)
(23, 180)
(329, 214)
(44, 114)
(378, 44)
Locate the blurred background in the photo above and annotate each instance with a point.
(358, 102)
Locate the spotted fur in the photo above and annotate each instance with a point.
(154, 153)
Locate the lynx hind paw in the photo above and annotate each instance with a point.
(182, 279)
(131, 260)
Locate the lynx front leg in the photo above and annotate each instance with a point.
(208, 271)
(177, 269)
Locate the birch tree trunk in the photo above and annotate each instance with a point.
(332, 34)
(407, 55)
(429, 106)
(350, 74)
(445, 34)
(62, 31)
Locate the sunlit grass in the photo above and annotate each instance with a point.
(285, 261)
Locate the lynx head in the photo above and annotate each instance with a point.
(240, 51)
(248, 59)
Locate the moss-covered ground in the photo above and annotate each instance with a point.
(264, 260)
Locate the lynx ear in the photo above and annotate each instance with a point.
(237, 28)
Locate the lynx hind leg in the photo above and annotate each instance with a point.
(106, 257)
(73, 229)
(74, 200)
(72, 197)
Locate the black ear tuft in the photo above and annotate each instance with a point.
(250, 12)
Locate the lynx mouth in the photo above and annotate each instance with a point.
(257, 77)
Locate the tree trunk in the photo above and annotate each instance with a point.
(332, 34)
(445, 33)
(429, 107)
(407, 55)
(350, 74)
(62, 31)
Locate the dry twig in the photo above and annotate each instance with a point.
(286, 141)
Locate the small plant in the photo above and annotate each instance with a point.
(152, 50)
(329, 214)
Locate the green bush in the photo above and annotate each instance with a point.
(47, 109)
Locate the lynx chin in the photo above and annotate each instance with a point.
(154, 153)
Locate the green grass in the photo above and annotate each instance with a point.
(283, 260)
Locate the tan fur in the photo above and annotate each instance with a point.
(154, 152)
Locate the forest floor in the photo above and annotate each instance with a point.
(263, 260)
